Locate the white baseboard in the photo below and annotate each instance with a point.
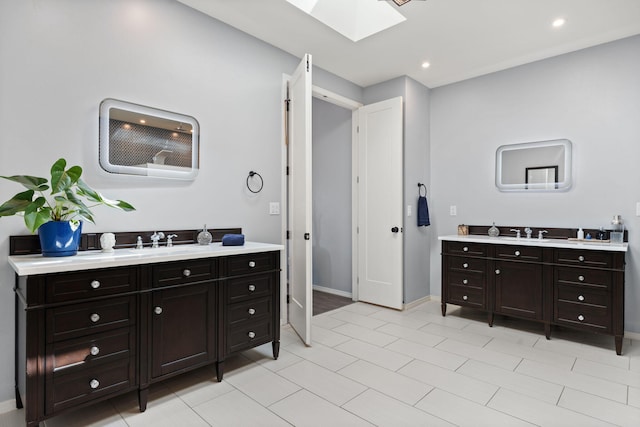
(417, 302)
(7, 406)
(332, 291)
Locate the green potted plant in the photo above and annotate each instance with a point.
(57, 218)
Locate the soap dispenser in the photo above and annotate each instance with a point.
(204, 237)
(580, 234)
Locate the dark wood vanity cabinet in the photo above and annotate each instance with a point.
(577, 288)
(89, 335)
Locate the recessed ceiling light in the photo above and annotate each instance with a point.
(143, 121)
(559, 22)
(425, 64)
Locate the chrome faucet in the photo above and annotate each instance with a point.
(541, 234)
(528, 230)
(169, 241)
(155, 237)
(517, 232)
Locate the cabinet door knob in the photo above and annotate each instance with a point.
(497, 271)
(581, 258)
(581, 278)
(517, 253)
(464, 297)
(252, 264)
(465, 265)
(252, 288)
(251, 311)
(94, 384)
(466, 249)
(94, 350)
(251, 334)
(157, 310)
(580, 297)
(95, 317)
(465, 281)
(580, 317)
(95, 284)
(186, 272)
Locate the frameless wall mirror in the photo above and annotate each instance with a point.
(140, 140)
(534, 166)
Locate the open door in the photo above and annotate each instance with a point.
(300, 201)
(380, 202)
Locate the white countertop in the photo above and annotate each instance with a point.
(26, 265)
(593, 244)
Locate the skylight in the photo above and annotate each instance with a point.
(354, 19)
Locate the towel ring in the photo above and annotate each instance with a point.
(421, 187)
(251, 175)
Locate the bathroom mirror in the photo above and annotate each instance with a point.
(534, 166)
(140, 140)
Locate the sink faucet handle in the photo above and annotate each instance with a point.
(169, 239)
(517, 231)
(541, 234)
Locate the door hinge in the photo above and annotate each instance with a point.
(287, 170)
(288, 299)
(307, 236)
(307, 64)
(287, 102)
(288, 235)
(357, 230)
(357, 129)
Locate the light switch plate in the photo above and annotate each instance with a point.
(274, 208)
(408, 210)
(453, 210)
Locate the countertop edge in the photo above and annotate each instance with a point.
(547, 243)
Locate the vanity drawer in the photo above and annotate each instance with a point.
(68, 390)
(238, 265)
(248, 335)
(464, 295)
(180, 272)
(243, 288)
(89, 318)
(465, 248)
(584, 276)
(583, 316)
(584, 257)
(583, 295)
(92, 283)
(252, 309)
(515, 252)
(465, 264)
(467, 278)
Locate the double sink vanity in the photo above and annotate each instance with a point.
(96, 325)
(554, 281)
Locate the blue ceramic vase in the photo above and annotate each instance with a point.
(60, 238)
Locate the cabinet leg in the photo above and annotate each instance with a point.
(220, 370)
(618, 339)
(547, 330)
(444, 309)
(143, 396)
(491, 317)
(275, 345)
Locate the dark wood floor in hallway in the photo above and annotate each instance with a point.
(323, 302)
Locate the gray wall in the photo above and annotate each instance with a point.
(591, 97)
(61, 58)
(416, 169)
(332, 196)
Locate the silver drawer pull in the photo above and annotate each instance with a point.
(252, 288)
(580, 317)
(186, 272)
(580, 258)
(157, 310)
(464, 297)
(252, 311)
(465, 265)
(95, 284)
(94, 317)
(580, 298)
(251, 334)
(581, 278)
(94, 350)
(517, 253)
(497, 271)
(466, 249)
(465, 281)
(252, 264)
(94, 384)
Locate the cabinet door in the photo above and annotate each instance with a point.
(183, 328)
(518, 289)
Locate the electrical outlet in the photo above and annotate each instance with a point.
(453, 210)
(274, 208)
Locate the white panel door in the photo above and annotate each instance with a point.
(380, 201)
(299, 214)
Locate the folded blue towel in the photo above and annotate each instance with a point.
(423, 212)
(233, 240)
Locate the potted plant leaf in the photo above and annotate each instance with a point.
(58, 217)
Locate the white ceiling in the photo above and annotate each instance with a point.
(459, 38)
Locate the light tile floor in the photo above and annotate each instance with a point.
(375, 366)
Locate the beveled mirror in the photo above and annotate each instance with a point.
(534, 166)
(140, 140)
